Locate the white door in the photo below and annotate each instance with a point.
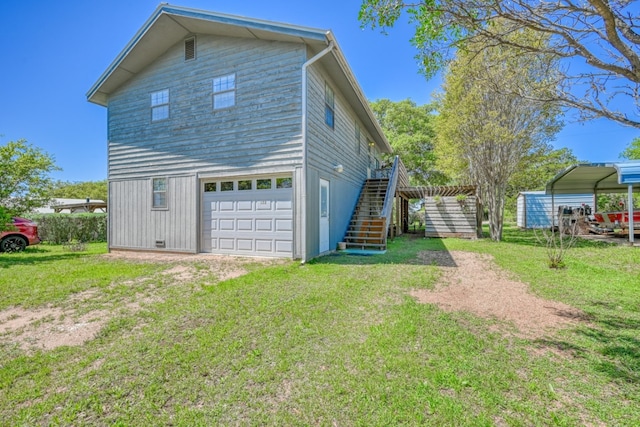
(324, 216)
(248, 217)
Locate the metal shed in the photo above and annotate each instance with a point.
(599, 178)
(536, 209)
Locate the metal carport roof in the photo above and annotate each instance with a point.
(600, 178)
(596, 178)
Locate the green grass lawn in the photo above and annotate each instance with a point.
(337, 341)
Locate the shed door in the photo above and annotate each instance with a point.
(248, 217)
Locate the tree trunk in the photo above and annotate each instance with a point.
(495, 205)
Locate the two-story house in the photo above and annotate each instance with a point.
(234, 135)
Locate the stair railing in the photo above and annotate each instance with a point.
(387, 208)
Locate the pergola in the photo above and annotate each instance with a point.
(598, 178)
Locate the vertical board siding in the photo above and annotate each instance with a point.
(261, 130)
(449, 218)
(135, 225)
(537, 209)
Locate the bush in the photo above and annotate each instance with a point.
(63, 228)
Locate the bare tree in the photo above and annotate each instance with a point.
(597, 40)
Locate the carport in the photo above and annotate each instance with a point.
(599, 178)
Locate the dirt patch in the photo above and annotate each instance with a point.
(50, 327)
(46, 328)
(474, 283)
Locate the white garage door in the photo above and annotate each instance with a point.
(248, 217)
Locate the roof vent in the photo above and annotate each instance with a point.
(190, 49)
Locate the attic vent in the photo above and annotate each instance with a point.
(190, 49)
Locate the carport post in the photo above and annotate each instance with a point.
(630, 209)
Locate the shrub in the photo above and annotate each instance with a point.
(63, 228)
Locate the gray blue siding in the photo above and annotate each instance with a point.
(135, 225)
(327, 148)
(261, 130)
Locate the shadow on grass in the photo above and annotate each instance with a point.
(33, 257)
(405, 249)
(614, 352)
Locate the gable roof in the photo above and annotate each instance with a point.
(170, 24)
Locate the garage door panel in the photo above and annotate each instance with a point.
(284, 225)
(227, 206)
(248, 222)
(264, 225)
(283, 205)
(245, 205)
(244, 245)
(264, 246)
(284, 246)
(227, 225)
(227, 244)
(263, 205)
(244, 225)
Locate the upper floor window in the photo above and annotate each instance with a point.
(358, 138)
(224, 91)
(160, 105)
(190, 49)
(329, 106)
(159, 193)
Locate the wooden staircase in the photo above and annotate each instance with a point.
(368, 229)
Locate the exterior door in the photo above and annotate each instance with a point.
(324, 216)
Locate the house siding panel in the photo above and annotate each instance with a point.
(260, 131)
(135, 225)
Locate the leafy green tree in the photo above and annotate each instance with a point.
(81, 190)
(24, 178)
(409, 129)
(484, 133)
(632, 152)
(601, 38)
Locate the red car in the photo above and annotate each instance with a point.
(21, 234)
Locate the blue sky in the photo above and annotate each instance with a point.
(52, 52)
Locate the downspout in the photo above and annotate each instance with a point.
(303, 184)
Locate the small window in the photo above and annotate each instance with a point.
(283, 182)
(209, 187)
(224, 92)
(329, 106)
(159, 193)
(358, 138)
(263, 184)
(190, 49)
(226, 186)
(160, 105)
(245, 185)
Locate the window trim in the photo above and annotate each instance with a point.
(166, 193)
(358, 137)
(329, 106)
(224, 91)
(158, 102)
